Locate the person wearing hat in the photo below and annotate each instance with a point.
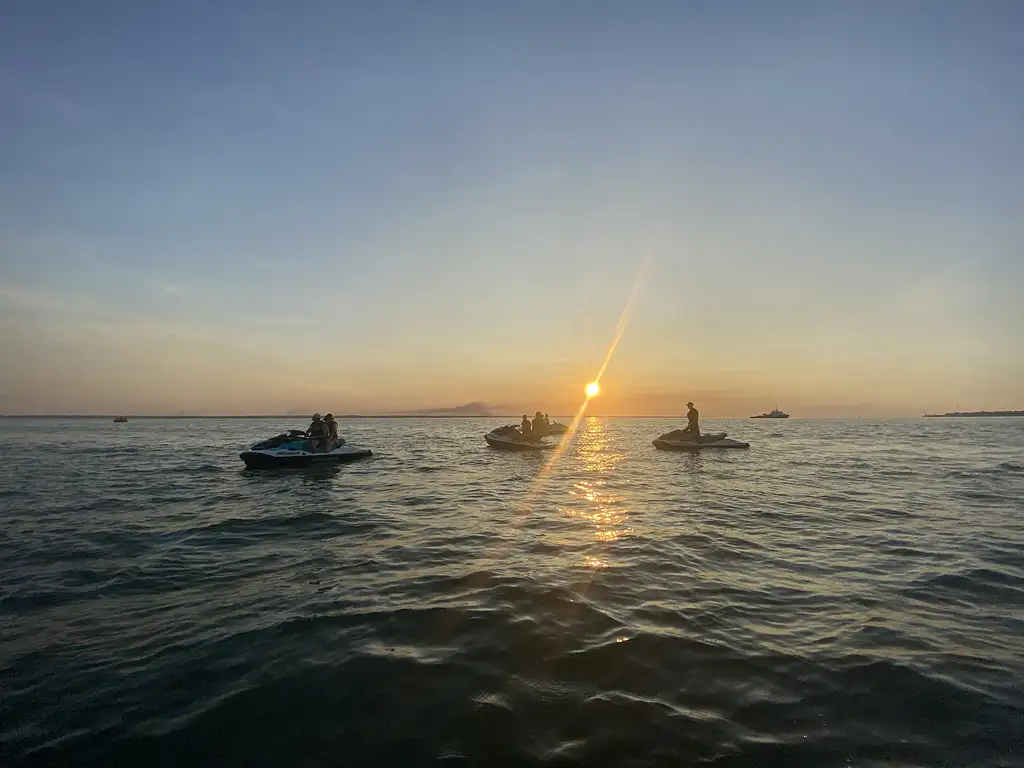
(692, 422)
(332, 428)
(317, 433)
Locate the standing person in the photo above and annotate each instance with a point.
(692, 422)
(538, 425)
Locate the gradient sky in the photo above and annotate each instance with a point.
(244, 206)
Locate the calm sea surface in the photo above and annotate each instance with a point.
(843, 593)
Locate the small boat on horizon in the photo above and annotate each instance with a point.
(120, 419)
(775, 414)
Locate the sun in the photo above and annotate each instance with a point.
(593, 389)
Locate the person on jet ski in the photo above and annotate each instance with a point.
(525, 427)
(538, 425)
(317, 432)
(332, 427)
(692, 422)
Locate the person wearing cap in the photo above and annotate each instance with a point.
(317, 431)
(692, 422)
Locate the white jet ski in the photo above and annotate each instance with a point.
(290, 450)
(511, 439)
(677, 440)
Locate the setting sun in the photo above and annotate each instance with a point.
(593, 389)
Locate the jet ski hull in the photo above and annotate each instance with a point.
(278, 454)
(300, 459)
(503, 443)
(691, 445)
(664, 443)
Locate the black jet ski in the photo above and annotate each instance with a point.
(290, 450)
(677, 440)
(511, 439)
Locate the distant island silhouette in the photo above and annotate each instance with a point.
(475, 408)
(971, 414)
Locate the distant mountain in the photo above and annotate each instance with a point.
(469, 409)
(476, 408)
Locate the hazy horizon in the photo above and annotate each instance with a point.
(824, 412)
(247, 208)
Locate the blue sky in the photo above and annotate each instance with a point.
(247, 206)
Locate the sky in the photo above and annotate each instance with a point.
(262, 207)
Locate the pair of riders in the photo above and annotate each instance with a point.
(540, 427)
(322, 433)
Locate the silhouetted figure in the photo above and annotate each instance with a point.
(692, 422)
(525, 427)
(538, 425)
(317, 433)
(547, 423)
(332, 431)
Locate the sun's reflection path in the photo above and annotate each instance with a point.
(603, 508)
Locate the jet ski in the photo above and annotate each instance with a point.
(290, 450)
(554, 428)
(511, 439)
(677, 440)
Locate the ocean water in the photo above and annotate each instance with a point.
(842, 593)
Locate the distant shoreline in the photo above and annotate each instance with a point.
(282, 416)
(971, 414)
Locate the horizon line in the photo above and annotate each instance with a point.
(352, 416)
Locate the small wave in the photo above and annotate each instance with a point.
(973, 584)
(204, 469)
(245, 525)
(976, 495)
(112, 451)
(1003, 468)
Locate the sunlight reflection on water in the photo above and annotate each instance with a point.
(605, 509)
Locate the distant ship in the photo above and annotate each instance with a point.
(971, 414)
(776, 414)
(120, 419)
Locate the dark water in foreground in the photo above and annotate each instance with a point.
(840, 594)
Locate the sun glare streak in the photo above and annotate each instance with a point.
(620, 329)
(624, 317)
